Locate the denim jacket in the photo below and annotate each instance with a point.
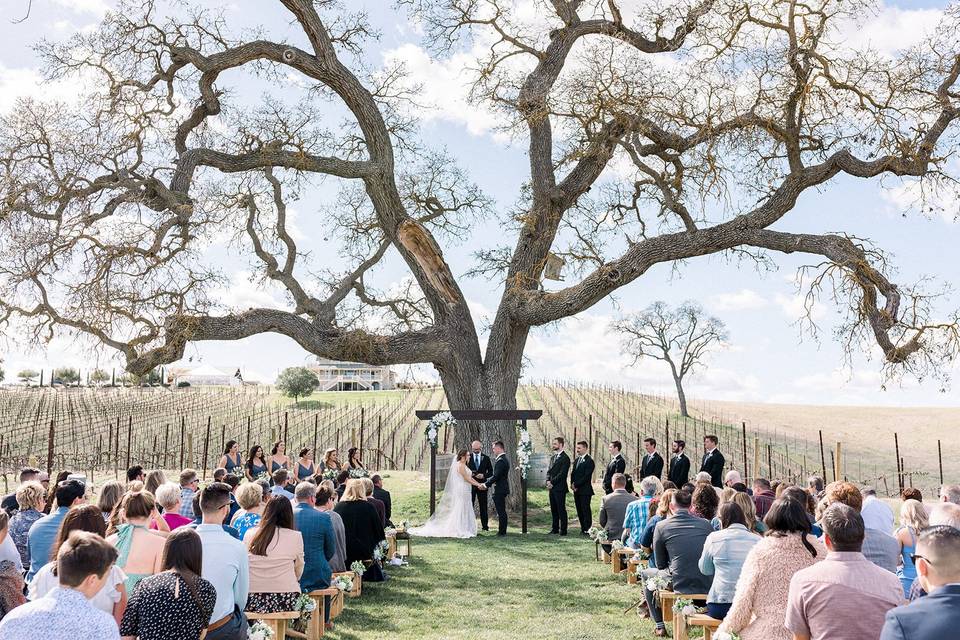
(723, 555)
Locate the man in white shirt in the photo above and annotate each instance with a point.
(83, 564)
(875, 512)
(225, 566)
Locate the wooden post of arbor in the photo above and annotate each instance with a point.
(433, 477)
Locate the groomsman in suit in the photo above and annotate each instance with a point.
(557, 484)
(582, 480)
(679, 471)
(652, 463)
(616, 465)
(481, 468)
(712, 461)
(501, 485)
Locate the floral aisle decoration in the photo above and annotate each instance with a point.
(656, 583)
(306, 606)
(432, 430)
(685, 606)
(380, 551)
(524, 449)
(358, 567)
(616, 545)
(343, 583)
(259, 631)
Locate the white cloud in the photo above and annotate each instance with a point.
(794, 307)
(927, 198)
(891, 29)
(742, 300)
(95, 7)
(243, 292)
(25, 82)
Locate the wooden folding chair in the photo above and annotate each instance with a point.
(703, 620)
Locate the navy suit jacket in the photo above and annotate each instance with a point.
(932, 617)
(319, 545)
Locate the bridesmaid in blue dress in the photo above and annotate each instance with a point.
(278, 457)
(256, 464)
(231, 460)
(305, 466)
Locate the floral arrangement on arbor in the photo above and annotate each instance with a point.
(524, 449)
(259, 631)
(442, 419)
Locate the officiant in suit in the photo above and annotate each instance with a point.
(581, 478)
(481, 469)
(557, 485)
(501, 485)
(713, 461)
(616, 465)
(652, 463)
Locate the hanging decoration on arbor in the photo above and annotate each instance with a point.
(524, 449)
(442, 419)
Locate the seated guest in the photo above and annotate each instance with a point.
(911, 493)
(110, 495)
(942, 514)
(950, 493)
(175, 604)
(638, 512)
(361, 525)
(10, 503)
(168, 497)
(275, 550)
(66, 613)
(30, 496)
(702, 476)
(705, 501)
(937, 616)
(112, 597)
(341, 482)
(660, 513)
(189, 482)
(219, 474)
(845, 576)
(140, 550)
(383, 496)
(326, 501)
(154, 480)
(250, 497)
(377, 504)
(763, 496)
(913, 519)
(880, 548)
(135, 474)
(225, 565)
(43, 532)
(732, 478)
(11, 570)
(724, 553)
(746, 504)
(678, 545)
(613, 508)
(233, 482)
(815, 486)
(280, 484)
(758, 606)
(319, 541)
(875, 512)
(807, 500)
(742, 488)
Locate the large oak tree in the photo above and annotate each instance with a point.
(656, 132)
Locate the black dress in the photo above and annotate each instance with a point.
(362, 527)
(162, 608)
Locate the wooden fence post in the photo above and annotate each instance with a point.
(837, 470)
(206, 448)
(50, 437)
(823, 460)
(129, 437)
(745, 470)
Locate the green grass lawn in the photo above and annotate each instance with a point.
(531, 587)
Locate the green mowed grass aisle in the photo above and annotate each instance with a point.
(532, 587)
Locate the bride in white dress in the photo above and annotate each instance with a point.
(454, 516)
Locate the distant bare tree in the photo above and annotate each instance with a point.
(718, 115)
(681, 337)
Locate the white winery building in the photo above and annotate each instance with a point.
(336, 375)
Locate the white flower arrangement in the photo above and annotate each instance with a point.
(330, 474)
(684, 606)
(358, 567)
(657, 582)
(601, 536)
(442, 419)
(725, 635)
(389, 532)
(524, 450)
(616, 545)
(259, 631)
(304, 603)
(359, 473)
(639, 556)
(343, 583)
(380, 551)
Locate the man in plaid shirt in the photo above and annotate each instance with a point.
(189, 482)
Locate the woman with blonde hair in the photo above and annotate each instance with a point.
(140, 550)
(331, 460)
(913, 519)
(31, 497)
(250, 497)
(154, 479)
(745, 502)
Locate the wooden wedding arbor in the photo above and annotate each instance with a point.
(513, 415)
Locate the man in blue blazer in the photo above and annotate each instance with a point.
(319, 543)
(936, 616)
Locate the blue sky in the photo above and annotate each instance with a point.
(766, 359)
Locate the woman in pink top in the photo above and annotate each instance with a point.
(168, 497)
(760, 599)
(276, 560)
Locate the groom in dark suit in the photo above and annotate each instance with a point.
(501, 485)
(557, 484)
(481, 468)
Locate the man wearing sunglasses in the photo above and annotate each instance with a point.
(936, 616)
